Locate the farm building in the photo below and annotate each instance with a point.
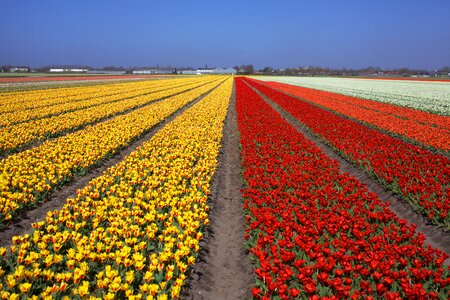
(155, 71)
(205, 71)
(19, 69)
(224, 71)
(58, 70)
(108, 72)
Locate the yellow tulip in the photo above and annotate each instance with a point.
(11, 281)
(83, 290)
(25, 287)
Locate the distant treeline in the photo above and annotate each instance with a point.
(321, 71)
(249, 69)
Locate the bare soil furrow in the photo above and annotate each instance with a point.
(223, 270)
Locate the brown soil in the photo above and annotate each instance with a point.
(57, 199)
(223, 269)
(436, 237)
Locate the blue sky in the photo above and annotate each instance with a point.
(340, 33)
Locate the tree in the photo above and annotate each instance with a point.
(288, 71)
(113, 68)
(248, 69)
(404, 71)
(267, 70)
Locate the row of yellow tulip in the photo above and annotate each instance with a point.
(19, 135)
(132, 232)
(88, 100)
(14, 101)
(27, 176)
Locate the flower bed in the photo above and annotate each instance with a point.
(315, 232)
(420, 176)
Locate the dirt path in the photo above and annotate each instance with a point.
(435, 237)
(57, 199)
(223, 270)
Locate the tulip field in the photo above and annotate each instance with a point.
(314, 230)
(138, 228)
(431, 96)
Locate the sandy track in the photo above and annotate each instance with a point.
(223, 270)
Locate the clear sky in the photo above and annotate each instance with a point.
(336, 34)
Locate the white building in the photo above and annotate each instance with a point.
(19, 69)
(209, 71)
(188, 72)
(204, 71)
(107, 72)
(154, 71)
(69, 70)
(230, 71)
